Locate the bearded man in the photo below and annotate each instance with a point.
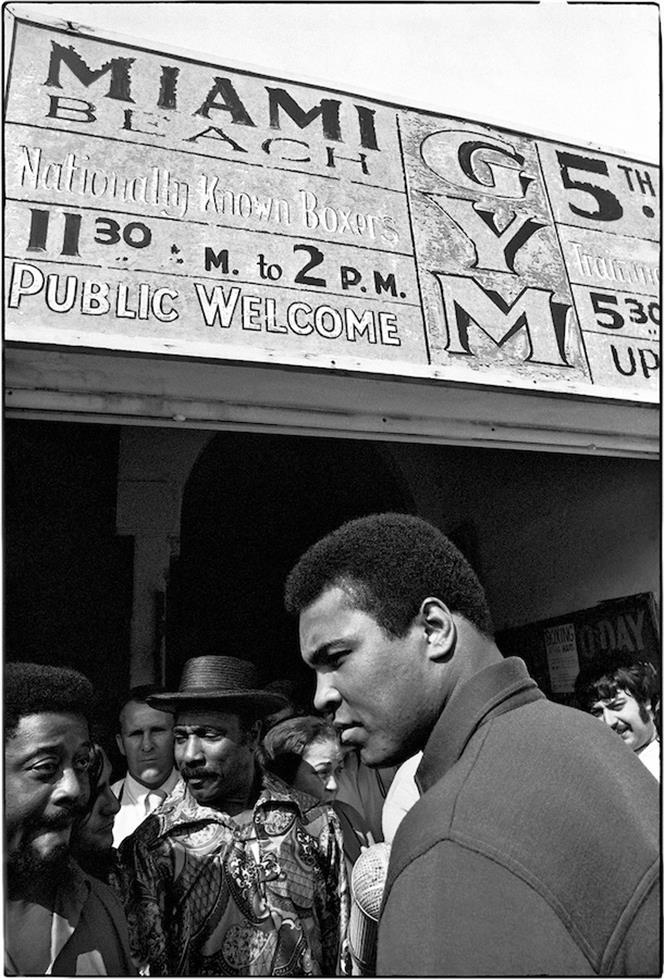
(58, 921)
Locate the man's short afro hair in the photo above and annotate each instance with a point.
(34, 688)
(388, 563)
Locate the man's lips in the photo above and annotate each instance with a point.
(55, 823)
(54, 828)
(350, 733)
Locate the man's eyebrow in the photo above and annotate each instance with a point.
(607, 702)
(325, 651)
(55, 748)
(196, 728)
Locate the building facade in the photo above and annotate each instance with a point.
(241, 309)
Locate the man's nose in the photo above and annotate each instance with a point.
(192, 751)
(331, 784)
(610, 718)
(326, 698)
(147, 742)
(72, 787)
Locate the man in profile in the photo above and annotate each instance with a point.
(534, 848)
(624, 694)
(235, 873)
(146, 741)
(58, 921)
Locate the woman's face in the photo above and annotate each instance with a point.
(318, 773)
(95, 833)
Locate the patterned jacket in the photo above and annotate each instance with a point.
(210, 894)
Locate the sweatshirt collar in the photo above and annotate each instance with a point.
(497, 688)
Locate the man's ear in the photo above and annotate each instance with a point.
(440, 628)
(121, 749)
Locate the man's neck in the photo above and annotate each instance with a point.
(648, 742)
(233, 807)
(35, 887)
(479, 652)
(149, 788)
(245, 803)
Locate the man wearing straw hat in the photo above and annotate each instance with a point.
(235, 874)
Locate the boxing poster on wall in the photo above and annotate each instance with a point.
(556, 649)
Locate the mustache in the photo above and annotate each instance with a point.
(186, 772)
(61, 820)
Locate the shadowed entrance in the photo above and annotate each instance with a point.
(252, 504)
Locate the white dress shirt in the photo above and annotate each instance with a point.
(136, 802)
(402, 796)
(650, 756)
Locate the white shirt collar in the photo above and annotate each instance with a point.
(135, 792)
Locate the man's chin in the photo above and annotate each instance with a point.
(31, 864)
(374, 757)
(151, 778)
(202, 791)
(383, 756)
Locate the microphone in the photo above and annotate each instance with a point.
(367, 885)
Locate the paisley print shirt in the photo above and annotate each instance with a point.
(261, 894)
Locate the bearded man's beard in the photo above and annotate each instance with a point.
(27, 869)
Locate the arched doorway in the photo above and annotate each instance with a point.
(252, 504)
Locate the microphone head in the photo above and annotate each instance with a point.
(368, 878)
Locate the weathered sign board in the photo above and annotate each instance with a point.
(163, 204)
(557, 649)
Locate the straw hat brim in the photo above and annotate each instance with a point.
(265, 701)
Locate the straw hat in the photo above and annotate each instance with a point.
(219, 680)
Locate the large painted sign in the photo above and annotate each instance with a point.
(556, 649)
(161, 204)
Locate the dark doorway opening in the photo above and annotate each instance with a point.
(252, 505)
(67, 575)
